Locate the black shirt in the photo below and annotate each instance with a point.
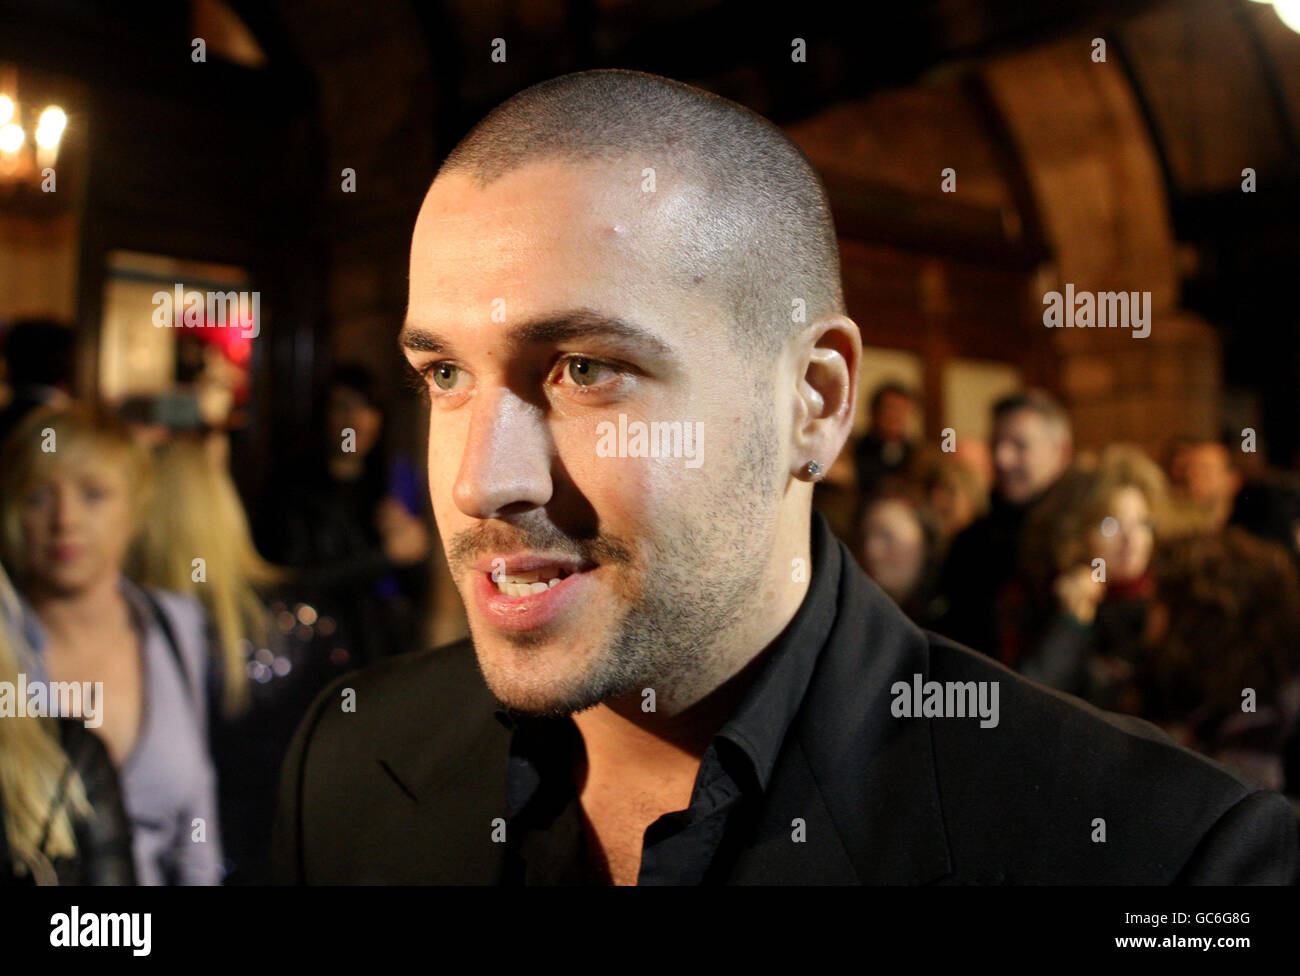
(410, 788)
(545, 836)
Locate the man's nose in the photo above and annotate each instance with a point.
(506, 464)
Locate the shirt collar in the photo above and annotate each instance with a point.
(758, 726)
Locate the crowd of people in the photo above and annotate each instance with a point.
(130, 568)
(1169, 592)
(129, 565)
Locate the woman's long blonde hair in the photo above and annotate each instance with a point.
(32, 763)
(31, 760)
(202, 518)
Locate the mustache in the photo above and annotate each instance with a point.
(503, 538)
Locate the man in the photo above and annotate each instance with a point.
(675, 674)
(1203, 474)
(986, 608)
(887, 448)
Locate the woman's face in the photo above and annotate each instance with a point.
(1126, 549)
(894, 548)
(77, 526)
(348, 409)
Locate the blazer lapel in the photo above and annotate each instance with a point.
(448, 787)
(874, 773)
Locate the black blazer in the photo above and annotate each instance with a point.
(406, 788)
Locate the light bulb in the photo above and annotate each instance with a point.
(1289, 12)
(6, 109)
(50, 127)
(11, 138)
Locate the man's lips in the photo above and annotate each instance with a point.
(525, 562)
(520, 612)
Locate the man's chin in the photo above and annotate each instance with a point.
(537, 702)
(534, 682)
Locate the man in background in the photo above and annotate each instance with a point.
(1203, 474)
(887, 448)
(1032, 446)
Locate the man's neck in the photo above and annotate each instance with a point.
(637, 765)
(622, 735)
(632, 771)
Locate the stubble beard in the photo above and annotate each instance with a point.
(697, 584)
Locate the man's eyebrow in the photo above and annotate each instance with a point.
(548, 329)
(585, 324)
(419, 339)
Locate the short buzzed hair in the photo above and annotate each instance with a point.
(890, 388)
(1036, 401)
(764, 236)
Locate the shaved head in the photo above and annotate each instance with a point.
(605, 251)
(752, 225)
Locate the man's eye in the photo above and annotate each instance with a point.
(587, 372)
(444, 375)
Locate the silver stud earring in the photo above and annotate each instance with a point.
(814, 469)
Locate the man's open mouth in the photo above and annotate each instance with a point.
(526, 584)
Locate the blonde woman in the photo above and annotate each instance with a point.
(199, 543)
(62, 818)
(73, 489)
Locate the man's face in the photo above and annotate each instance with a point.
(1207, 476)
(893, 418)
(349, 409)
(660, 556)
(1028, 455)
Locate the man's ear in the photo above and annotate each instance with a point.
(826, 392)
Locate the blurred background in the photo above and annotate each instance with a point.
(1118, 175)
(979, 155)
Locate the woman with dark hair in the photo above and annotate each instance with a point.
(899, 547)
(350, 521)
(1222, 667)
(1088, 548)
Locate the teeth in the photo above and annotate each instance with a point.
(533, 576)
(526, 584)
